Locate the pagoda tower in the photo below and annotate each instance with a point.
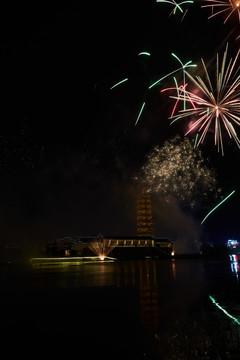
(144, 215)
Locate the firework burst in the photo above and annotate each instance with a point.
(227, 7)
(178, 170)
(212, 107)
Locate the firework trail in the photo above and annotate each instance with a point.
(227, 7)
(221, 202)
(156, 83)
(184, 66)
(118, 83)
(178, 170)
(142, 53)
(145, 53)
(176, 6)
(215, 106)
(188, 64)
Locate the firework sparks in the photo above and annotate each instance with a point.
(217, 105)
(177, 170)
(227, 7)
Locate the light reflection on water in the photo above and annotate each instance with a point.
(148, 274)
(165, 290)
(235, 268)
(164, 303)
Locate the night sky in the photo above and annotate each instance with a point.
(69, 147)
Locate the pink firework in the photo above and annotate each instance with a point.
(227, 7)
(215, 107)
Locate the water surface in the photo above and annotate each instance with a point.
(148, 309)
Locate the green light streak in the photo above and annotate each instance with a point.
(176, 84)
(176, 5)
(177, 59)
(184, 66)
(119, 83)
(227, 197)
(144, 53)
(223, 310)
(173, 3)
(67, 260)
(164, 77)
(172, 122)
(188, 64)
(196, 140)
(140, 112)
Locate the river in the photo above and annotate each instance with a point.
(148, 309)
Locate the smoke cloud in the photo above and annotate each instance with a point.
(172, 222)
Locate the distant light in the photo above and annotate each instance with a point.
(232, 243)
